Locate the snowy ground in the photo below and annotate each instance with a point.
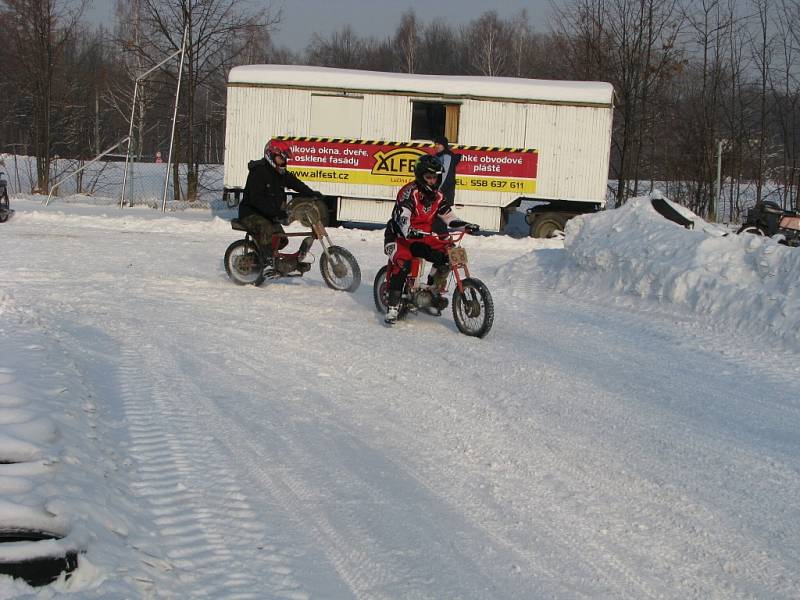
(624, 431)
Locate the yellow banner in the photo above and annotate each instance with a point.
(361, 177)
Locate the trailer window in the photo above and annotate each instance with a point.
(431, 119)
(336, 116)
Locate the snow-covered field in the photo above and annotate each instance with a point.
(629, 428)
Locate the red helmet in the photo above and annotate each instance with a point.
(278, 148)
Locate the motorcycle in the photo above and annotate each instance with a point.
(5, 208)
(769, 219)
(246, 263)
(472, 304)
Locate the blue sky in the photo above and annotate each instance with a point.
(369, 18)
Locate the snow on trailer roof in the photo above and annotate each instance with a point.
(590, 92)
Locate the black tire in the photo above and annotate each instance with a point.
(243, 263)
(380, 293)
(380, 290)
(547, 225)
(340, 269)
(5, 211)
(473, 308)
(751, 229)
(308, 211)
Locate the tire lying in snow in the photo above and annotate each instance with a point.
(35, 556)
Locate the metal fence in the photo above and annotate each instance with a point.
(101, 182)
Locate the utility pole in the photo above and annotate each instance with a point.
(717, 200)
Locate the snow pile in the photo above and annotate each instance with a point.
(746, 282)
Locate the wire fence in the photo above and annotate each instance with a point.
(101, 182)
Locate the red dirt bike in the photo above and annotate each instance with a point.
(247, 263)
(473, 307)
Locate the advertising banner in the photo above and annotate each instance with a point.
(368, 162)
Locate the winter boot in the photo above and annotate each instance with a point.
(393, 306)
(305, 245)
(438, 278)
(392, 312)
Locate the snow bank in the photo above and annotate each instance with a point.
(746, 282)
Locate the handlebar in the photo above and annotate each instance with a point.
(455, 235)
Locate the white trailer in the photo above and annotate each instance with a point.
(357, 134)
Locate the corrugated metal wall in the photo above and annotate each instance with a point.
(574, 145)
(573, 141)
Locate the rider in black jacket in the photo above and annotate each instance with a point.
(263, 205)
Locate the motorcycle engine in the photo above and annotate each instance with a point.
(286, 265)
(422, 298)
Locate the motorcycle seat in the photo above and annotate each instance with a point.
(237, 225)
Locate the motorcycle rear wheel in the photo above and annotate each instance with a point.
(380, 294)
(243, 263)
(473, 308)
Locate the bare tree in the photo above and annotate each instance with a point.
(487, 43)
(632, 44)
(761, 44)
(39, 32)
(407, 42)
(210, 25)
(785, 86)
(343, 49)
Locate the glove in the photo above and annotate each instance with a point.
(414, 234)
(388, 249)
(471, 228)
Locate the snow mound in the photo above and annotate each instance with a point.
(743, 281)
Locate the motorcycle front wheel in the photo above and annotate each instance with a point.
(473, 308)
(340, 269)
(243, 263)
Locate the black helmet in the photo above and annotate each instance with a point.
(428, 163)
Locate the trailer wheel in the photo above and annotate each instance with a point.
(547, 225)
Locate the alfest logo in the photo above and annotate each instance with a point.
(397, 162)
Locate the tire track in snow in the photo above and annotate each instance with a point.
(601, 561)
(354, 555)
(205, 522)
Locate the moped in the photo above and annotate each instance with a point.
(248, 263)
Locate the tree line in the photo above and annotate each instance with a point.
(693, 79)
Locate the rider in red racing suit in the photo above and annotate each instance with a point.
(420, 209)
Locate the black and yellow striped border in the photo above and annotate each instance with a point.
(327, 140)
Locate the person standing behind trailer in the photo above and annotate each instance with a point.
(262, 206)
(450, 161)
